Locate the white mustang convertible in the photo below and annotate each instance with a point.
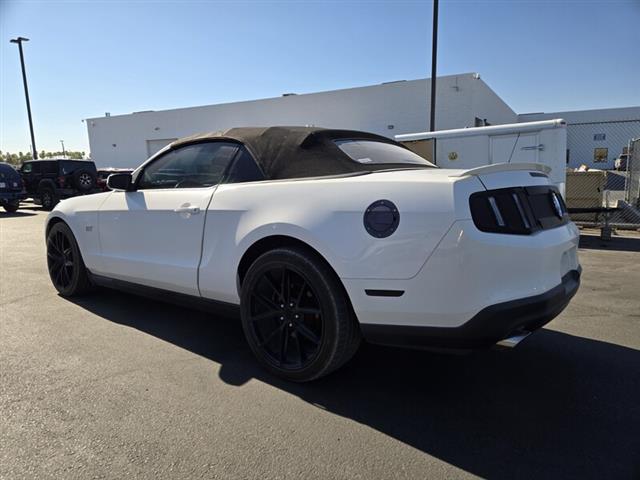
(322, 237)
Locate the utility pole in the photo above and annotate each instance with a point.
(64, 154)
(19, 41)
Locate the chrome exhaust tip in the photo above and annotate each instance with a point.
(513, 340)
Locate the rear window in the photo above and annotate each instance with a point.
(375, 152)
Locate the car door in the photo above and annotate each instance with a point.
(153, 235)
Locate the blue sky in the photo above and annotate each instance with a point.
(90, 57)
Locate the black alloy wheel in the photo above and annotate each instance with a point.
(286, 318)
(64, 261)
(296, 315)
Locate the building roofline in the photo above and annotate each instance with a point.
(386, 84)
(587, 110)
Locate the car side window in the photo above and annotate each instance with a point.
(244, 169)
(192, 166)
(27, 167)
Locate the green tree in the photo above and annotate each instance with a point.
(20, 157)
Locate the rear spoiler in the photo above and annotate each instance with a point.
(504, 167)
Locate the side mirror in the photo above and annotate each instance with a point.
(119, 181)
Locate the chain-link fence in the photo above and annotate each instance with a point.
(632, 188)
(606, 196)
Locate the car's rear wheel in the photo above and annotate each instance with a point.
(12, 207)
(48, 198)
(64, 261)
(296, 315)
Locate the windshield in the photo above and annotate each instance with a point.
(375, 152)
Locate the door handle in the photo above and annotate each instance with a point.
(187, 209)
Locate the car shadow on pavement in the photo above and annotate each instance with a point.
(623, 244)
(16, 214)
(559, 406)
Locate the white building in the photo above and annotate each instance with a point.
(595, 137)
(388, 109)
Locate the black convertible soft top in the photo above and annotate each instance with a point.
(296, 152)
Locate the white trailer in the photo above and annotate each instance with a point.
(531, 142)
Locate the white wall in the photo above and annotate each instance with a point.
(486, 104)
(122, 141)
(619, 125)
(585, 116)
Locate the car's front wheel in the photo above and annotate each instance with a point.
(296, 315)
(64, 261)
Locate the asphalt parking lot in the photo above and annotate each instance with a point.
(116, 386)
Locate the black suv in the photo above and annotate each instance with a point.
(11, 191)
(49, 181)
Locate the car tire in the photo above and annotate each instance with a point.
(48, 198)
(84, 180)
(12, 207)
(64, 262)
(296, 315)
(354, 343)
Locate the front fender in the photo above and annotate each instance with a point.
(81, 215)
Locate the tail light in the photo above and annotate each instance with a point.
(518, 210)
(61, 181)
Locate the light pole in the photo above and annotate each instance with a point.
(434, 64)
(64, 154)
(19, 41)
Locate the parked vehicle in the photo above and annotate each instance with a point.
(49, 181)
(320, 237)
(104, 173)
(11, 191)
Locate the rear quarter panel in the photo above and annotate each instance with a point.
(327, 214)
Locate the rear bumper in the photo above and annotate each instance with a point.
(487, 327)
